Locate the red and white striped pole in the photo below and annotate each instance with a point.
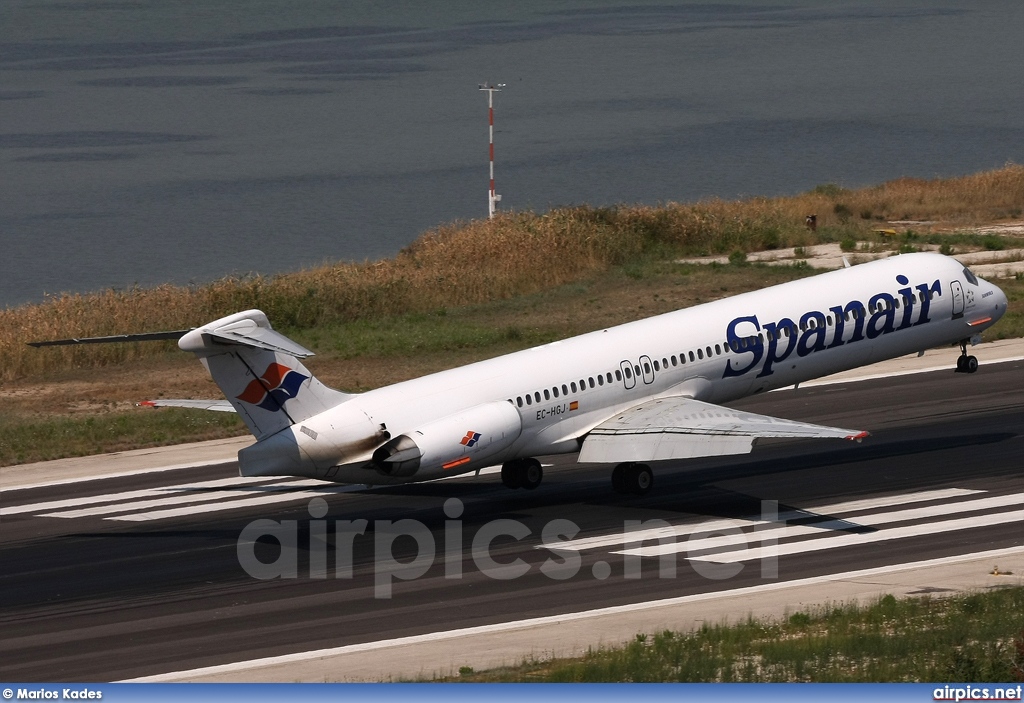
(492, 197)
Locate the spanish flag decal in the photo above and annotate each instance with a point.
(574, 405)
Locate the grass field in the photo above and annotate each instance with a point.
(964, 638)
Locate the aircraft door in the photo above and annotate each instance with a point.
(647, 369)
(958, 299)
(628, 379)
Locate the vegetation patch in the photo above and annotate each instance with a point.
(514, 254)
(975, 637)
(27, 439)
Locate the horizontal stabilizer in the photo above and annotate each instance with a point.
(218, 405)
(143, 337)
(246, 331)
(682, 428)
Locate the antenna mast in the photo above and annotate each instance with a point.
(492, 198)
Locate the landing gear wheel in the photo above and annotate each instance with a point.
(512, 474)
(632, 478)
(965, 363)
(639, 479)
(522, 473)
(619, 478)
(532, 473)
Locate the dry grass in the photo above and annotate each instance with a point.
(468, 263)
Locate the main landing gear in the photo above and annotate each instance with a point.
(522, 473)
(632, 478)
(965, 363)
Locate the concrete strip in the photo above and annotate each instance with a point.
(987, 264)
(136, 461)
(490, 646)
(1008, 269)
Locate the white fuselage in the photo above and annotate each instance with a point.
(715, 352)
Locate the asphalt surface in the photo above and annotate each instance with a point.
(94, 597)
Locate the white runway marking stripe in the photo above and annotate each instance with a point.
(130, 495)
(248, 489)
(325, 490)
(848, 540)
(180, 499)
(888, 501)
(867, 538)
(822, 528)
(714, 525)
(234, 504)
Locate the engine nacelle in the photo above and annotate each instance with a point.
(455, 443)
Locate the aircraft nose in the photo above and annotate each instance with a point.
(999, 301)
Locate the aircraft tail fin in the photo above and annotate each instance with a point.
(259, 372)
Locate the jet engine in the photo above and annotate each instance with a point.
(453, 444)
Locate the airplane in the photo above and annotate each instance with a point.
(640, 392)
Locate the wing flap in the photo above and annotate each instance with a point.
(683, 428)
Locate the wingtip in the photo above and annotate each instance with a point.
(859, 436)
(146, 404)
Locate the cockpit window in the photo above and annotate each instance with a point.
(971, 278)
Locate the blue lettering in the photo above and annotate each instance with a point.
(908, 307)
(734, 341)
(775, 332)
(857, 308)
(812, 334)
(813, 338)
(837, 338)
(926, 300)
(885, 312)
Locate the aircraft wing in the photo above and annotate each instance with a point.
(218, 405)
(683, 428)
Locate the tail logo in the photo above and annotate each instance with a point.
(470, 439)
(280, 383)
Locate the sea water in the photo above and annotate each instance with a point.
(143, 141)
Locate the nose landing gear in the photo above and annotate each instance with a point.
(966, 363)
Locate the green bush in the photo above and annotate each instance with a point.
(993, 243)
(738, 258)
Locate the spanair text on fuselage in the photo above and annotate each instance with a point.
(715, 352)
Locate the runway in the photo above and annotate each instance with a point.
(139, 575)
